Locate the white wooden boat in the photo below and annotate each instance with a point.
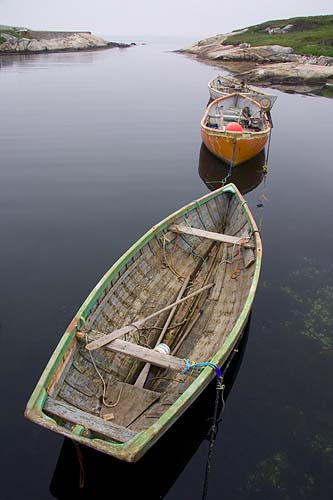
(222, 86)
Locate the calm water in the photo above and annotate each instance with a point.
(97, 147)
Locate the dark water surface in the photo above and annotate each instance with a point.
(97, 147)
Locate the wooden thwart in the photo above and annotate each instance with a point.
(79, 417)
(225, 238)
(105, 339)
(138, 352)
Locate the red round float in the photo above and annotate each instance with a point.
(234, 127)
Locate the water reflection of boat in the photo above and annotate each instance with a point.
(235, 128)
(247, 177)
(154, 475)
(222, 85)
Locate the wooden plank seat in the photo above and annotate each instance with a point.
(138, 352)
(225, 238)
(232, 118)
(95, 424)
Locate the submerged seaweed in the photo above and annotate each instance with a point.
(311, 295)
(270, 473)
(323, 443)
(296, 371)
(318, 321)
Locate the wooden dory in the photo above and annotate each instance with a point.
(235, 147)
(119, 396)
(222, 86)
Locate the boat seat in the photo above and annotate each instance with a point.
(231, 118)
(234, 109)
(224, 238)
(68, 412)
(138, 352)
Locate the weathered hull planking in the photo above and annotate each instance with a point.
(121, 397)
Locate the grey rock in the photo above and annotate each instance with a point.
(210, 40)
(23, 44)
(275, 31)
(71, 41)
(244, 52)
(274, 65)
(280, 49)
(237, 32)
(325, 60)
(292, 58)
(279, 31)
(289, 73)
(9, 38)
(37, 46)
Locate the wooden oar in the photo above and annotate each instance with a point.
(140, 381)
(195, 305)
(128, 328)
(180, 341)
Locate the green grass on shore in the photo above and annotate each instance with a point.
(310, 35)
(14, 32)
(11, 32)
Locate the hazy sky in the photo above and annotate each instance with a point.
(197, 18)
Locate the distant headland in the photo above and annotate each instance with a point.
(285, 53)
(19, 40)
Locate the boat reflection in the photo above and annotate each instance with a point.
(246, 176)
(152, 476)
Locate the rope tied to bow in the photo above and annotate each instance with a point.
(191, 365)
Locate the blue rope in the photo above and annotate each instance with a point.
(190, 366)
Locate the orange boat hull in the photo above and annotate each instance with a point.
(244, 145)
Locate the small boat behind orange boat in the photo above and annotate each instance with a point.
(235, 128)
(224, 85)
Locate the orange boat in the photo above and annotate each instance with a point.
(235, 128)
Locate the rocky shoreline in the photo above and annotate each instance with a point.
(271, 65)
(32, 42)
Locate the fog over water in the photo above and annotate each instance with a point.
(148, 17)
(96, 147)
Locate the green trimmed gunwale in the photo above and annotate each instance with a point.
(132, 450)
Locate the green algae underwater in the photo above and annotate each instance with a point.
(307, 293)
